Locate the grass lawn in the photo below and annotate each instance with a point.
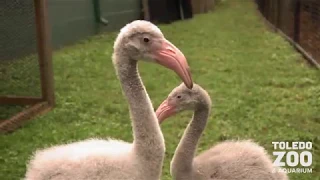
(21, 81)
(261, 88)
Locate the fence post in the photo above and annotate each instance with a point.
(145, 7)
(44, 51)
(296, 21)
(278, 14)
(274, 12)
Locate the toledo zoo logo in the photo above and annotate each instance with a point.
(296, 156)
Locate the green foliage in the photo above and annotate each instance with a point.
(261, 89)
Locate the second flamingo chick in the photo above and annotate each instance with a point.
(229, 160)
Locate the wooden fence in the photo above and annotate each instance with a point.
(298, 21)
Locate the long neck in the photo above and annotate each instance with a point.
(182, 162)
(148, 138)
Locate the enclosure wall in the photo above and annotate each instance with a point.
(75, 20)
(26, 72)
(299, 21)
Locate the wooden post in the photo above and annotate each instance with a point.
(145, 5)
(44, 51)
(278, 14)
(296, 21)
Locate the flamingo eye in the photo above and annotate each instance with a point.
(146, 39)
(178, 97)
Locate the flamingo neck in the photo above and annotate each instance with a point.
(182, 162)
(148, 138)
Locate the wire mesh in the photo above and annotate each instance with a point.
(19, 66)
(298, 19)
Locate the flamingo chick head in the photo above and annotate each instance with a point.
(182, 98)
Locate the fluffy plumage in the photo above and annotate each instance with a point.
(229, 160)
(97, 159)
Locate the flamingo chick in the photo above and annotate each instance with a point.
(229, 160)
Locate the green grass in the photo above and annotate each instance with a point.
(261, 88)
(18, 77)
(9, 111)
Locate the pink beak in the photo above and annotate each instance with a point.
(172, 58)
(164, 111)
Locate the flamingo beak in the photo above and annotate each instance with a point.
(172, 58)
(164, 111)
